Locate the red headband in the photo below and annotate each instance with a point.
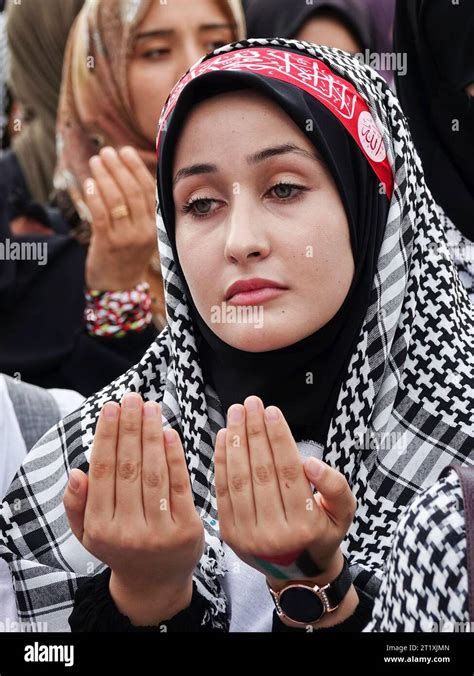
(311, 75)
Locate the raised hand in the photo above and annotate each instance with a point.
(121, 198)
(135, 511)
(267, 511)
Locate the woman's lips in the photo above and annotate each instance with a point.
(256, 297)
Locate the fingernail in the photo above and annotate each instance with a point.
(235, 414)
(314, 467)
(150, 410)
(271, 414)
(74, 483)
(108, 152)
(131, 400)
(110, 410)
(170, 436)
(251, 404)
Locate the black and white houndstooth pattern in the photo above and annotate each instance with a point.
(462, 251)
(410, 381)
(425, 585)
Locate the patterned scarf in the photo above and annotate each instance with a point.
(404, 410)
(103, 35)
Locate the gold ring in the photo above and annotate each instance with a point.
(120, 212)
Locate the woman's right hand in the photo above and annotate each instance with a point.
(135, 511)
(121, 200)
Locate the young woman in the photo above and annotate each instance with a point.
(122, 59)
(330, 332)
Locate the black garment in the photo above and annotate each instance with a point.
(16, 200)
(281, 377)
(438, 38)
(42, 332)
(284, 18)
(95, 611)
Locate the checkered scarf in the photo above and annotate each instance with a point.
(404, 411)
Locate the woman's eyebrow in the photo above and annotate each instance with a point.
(169, 32)
(193, 170)
(265, 154)
(216, 26)
(259, 156)
(158, 33)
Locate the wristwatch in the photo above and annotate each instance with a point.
(306, 604)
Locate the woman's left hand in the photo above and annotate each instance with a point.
(267, 511)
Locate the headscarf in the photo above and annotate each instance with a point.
(37, 33)
(284, 18)
(438, 39)
(103, 36)
(410, 375)
(304, 378)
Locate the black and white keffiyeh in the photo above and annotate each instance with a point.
(425, 583)
(404, 410)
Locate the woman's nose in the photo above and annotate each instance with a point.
(190, 53)
(246, 236)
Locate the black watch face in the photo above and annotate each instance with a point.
(301, 605)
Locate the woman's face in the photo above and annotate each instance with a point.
(171, 37)
(325, 28)
(253, 201)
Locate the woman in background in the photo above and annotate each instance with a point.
(437, 96)
(345, 24)
(122, 58)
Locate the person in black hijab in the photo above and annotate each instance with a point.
(437, 96)
(352, 27)
(281, 375)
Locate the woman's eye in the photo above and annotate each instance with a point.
(214, 45)
(200, 207)
(156, 53)
(286, 191)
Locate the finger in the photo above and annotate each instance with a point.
(336, 497)
(75, 500)
(266, 490)
(181, 497)
(239, 477)
(138, 168)
(97, 207)
(224, 503)
(101, 492)
(128, 475)
(109, 190)
(294, 486)
(155, 484)
(129, 186)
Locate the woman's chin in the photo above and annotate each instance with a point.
(253, 339)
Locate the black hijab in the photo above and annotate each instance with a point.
(303, 379)
(284, 18)
(438, 38)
